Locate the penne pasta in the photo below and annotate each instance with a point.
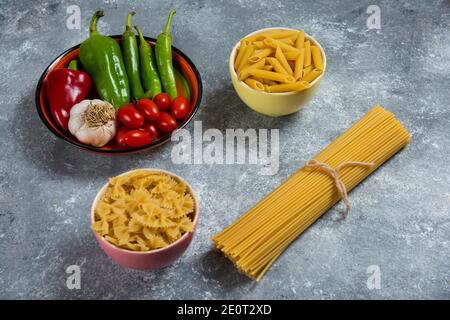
(298, 69)
(260, 44)
(278, 61)
(311, 76)
(276, 65)
(300, 41)
(258, 79)
(307, 70)
(255, 57)
(254, 84)
(293, 37)
(275, 43)
(272, 76)
(272, 34)
(269, 82)
(245, 72)
(248, 52)
(286, 87)
(241, 50)
(307, 61)
(292, 64)
(288, 41)
(291, 55)
(282, 59)
(317, 57)
(284, 33)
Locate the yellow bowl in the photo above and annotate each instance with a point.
(275, 104)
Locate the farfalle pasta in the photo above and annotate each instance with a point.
(144, 211)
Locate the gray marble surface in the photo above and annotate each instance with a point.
(401, 213)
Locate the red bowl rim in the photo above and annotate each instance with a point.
(152, 145)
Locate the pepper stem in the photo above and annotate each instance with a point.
(73, 65)
(93, 24)
(129, 20)
(169, 19)
(139, 31)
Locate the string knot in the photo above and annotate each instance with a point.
(334, 174)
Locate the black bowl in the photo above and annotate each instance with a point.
(181, 62)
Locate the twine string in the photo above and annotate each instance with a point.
(334, 174)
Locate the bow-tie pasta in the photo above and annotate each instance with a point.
(144, 210)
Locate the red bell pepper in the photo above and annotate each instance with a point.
(64, 88)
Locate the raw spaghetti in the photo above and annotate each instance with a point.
(255, 240)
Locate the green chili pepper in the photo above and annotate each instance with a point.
(102, 59)
(131, 58)
(73, 65)
(164, 59)
(149, 70)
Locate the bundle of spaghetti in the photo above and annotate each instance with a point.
(256, 239)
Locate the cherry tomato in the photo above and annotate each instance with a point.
(166, 123)
(120, 136)
(151, 128)
(162, 100)
(130, 116)
(137, 138)
(180, 107)
(148, 108)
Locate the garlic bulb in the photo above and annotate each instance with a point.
(93, 122)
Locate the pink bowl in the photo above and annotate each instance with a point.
(153, 259)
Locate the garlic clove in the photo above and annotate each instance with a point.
(75, 119)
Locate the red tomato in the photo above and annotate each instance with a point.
(137, 138)
(151, 128)
(120, 136)
(130, 116)
(180, 107)
(162, 100)
(148, 108)
(166, 123)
